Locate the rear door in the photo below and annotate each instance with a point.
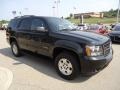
(23, 33)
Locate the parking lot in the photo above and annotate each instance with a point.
(33, 72)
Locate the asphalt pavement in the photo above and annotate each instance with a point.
(34, 72)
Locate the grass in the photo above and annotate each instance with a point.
(95, 20)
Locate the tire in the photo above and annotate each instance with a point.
(15, 49)
(67, 66)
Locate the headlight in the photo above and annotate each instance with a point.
(94, 50)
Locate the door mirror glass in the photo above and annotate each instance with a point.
(41, 29)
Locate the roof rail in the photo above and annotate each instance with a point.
(27, 15)
(24, 16)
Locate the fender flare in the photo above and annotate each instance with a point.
(12, 38)
(75, 47)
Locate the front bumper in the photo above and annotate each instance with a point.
(115, 38)
(92, 65)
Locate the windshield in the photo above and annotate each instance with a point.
(116, 28)
(61, 24)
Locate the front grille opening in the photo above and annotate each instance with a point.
(117, 38)
(106, 48)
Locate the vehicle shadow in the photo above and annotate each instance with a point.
(40, 63)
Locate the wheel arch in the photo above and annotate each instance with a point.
(68, 46)
(12, 39)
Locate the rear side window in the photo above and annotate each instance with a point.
(37, 23)
(25, 24)
(13, 23)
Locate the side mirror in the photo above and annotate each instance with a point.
(41, 29)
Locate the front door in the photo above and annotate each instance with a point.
(40, 38)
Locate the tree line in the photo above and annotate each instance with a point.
(111, 13)
(3, 21)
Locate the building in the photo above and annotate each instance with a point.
(90, 14)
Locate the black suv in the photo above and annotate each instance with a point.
(74, 51)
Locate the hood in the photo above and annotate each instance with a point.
(84, 37)
(115, 33)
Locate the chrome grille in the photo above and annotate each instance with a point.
(106, 48)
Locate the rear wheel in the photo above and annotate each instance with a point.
(15, 49)
(66, 65)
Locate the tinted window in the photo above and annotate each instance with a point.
(13, 23)
(59, 24)
(37, 23)
(117, 28)
(25, 24)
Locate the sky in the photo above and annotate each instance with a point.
(45, 7)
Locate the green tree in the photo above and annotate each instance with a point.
(110, 14)
(3, 21)
(71, 15)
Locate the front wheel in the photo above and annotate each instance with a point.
(67, 66)
(15, 49)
